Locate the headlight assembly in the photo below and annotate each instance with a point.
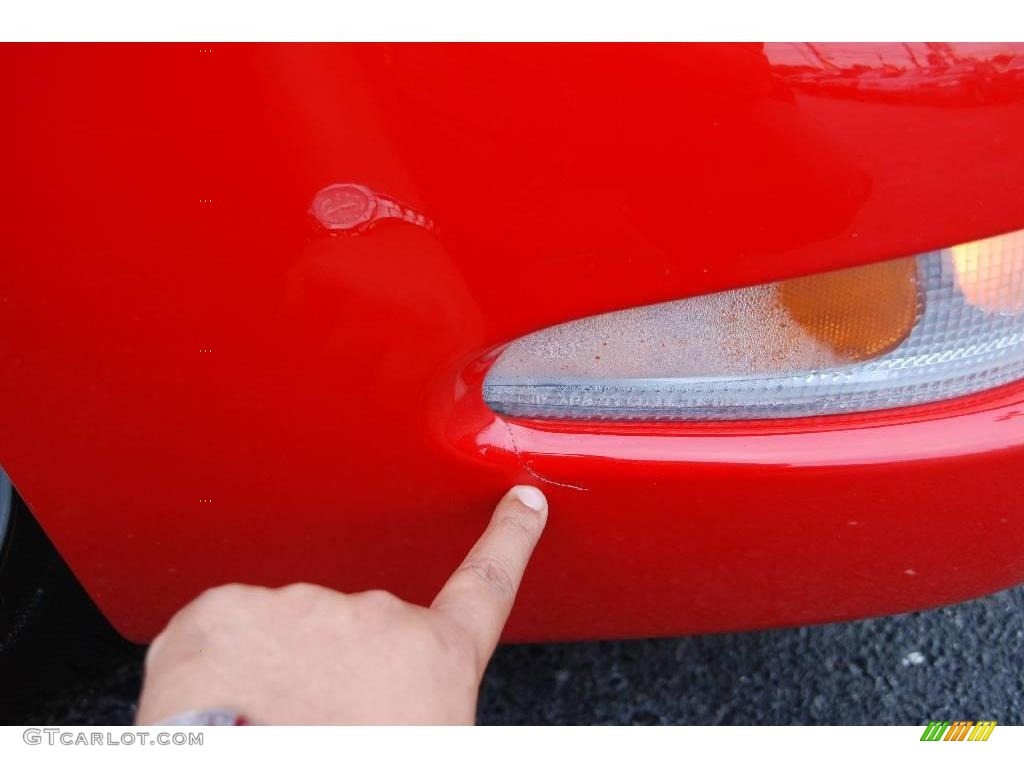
(897, 333)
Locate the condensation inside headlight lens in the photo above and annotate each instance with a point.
(904, 332)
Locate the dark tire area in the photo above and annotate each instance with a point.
(51, 633)
(30, 569)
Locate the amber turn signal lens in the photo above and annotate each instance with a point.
(858, 313)
(944, 324)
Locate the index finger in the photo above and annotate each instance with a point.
(479, 595)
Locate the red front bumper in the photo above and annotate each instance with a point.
(201, 385)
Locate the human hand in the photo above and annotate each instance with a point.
(305, 654)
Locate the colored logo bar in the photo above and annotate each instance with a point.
(958, 730)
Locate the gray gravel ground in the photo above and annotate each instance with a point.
(960, 662)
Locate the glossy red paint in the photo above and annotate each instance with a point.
(201, 383)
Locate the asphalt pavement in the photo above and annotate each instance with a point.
(959, 662)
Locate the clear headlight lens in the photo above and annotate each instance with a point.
(898, 333)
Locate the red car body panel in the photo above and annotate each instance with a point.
(201, 384)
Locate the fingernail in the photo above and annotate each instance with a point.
(531, 497)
